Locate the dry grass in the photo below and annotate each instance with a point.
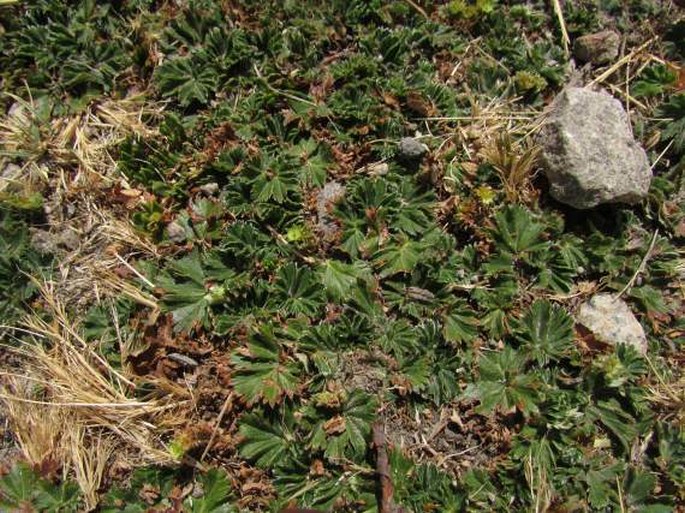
(538, 483)
(515, 164)
(89, 466)
(69, 405)
(88, 271)
(76, 150)
(70, 162)
(668, 393)
(36, 427)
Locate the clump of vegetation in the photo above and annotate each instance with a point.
(223, 332)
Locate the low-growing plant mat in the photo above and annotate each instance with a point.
(226, 285)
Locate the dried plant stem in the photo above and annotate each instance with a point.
(640, 268)
(228, 402)
(625, 59)
(418, 8)
(386, 501)
(559, 12)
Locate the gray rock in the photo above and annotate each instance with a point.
(16, 110)
(588, 151)
(599, 48)
(175, 232)
(611, 322)
(210, 189)
(411, 149)
(10, 172)
(43, 241)
(69, 239)
(328, 196)
(55, 242)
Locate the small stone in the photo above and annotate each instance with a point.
(175, 232)
(10, 172)
(331, 193)
(378, 169)
(210, 189)
(611, 322)
(43, 241)
(69, 239)
(588, 151)
(411, 149)
(599, 48)
(16, 110)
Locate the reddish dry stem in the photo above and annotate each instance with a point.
(386, 490)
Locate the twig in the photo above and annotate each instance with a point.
(460, 453)
(133, 404)
(628, 98)
(385, 496)
(656, 161)
(620, 495)
(562, 24)
(135, 271)
(621, 62)
(278, 91)
(224, 408)
(640, 268)
(502, 117)
(386, 502)
(418, 8)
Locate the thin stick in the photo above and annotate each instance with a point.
(386, 502)
(386, 492)
(620, 495)
(135, 271)
(224, 408)
(628, 98)
(278, 91)
(640, 268)
(621, 62)
(84, 405)
(562, 24)
(418, 8)
(460, 453)
(661, 155)
(502, 117)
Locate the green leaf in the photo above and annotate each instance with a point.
(58, 498)
(397, 337)
(517, 232)
(460, 327)
(297, 291)
(654, 80)
(414, 214)
(22, 489)
(264, 447)
(401, 256)
(416, 373)
(187, 79)
(354, 420)
(339, 277)
(602, 485)
(674, 126)
(504, 384)
(616, 420)
(192, 285)
(17, 487)
(264, 374)
(216, 492)
(546, 331)
(640, 486)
